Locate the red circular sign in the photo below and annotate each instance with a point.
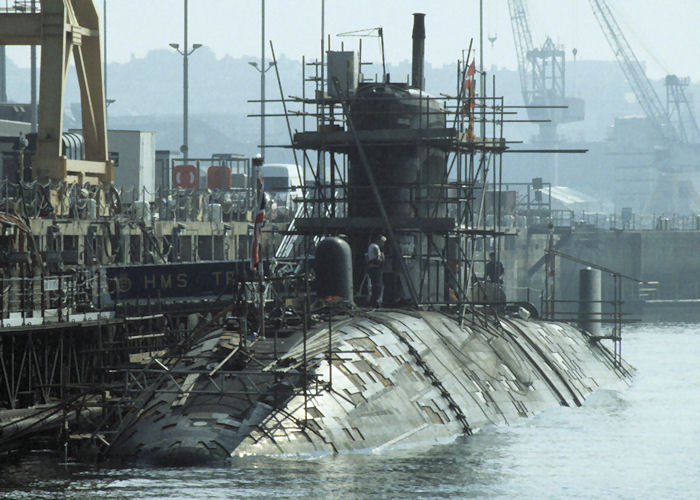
(185, 176)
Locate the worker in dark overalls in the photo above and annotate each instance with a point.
(494, 269)
(375, 270)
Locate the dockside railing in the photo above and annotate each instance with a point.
(52, 299)
(616, 317)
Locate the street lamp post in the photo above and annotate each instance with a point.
(262, 102)
(262, 69)
(185, 53)
(104, 62)
(33, 87)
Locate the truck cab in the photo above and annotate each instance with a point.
(283, 185)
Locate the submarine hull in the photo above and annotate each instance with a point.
(396, 378)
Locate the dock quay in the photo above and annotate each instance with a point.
(657, 251)
(83, 294)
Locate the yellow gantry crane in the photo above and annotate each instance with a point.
(62, 27)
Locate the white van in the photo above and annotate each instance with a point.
(282, 184)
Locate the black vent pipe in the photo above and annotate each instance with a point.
(418, 51)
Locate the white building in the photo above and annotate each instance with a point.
(134, 156)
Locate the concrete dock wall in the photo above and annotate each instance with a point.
(670, 258)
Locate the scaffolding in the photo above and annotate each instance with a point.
(610, 310)
(437, 222)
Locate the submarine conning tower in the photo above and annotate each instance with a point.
(407, 176)
(406, 171)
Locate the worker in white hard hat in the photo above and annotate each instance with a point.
(375, 270)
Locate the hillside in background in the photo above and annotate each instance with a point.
(148, 95)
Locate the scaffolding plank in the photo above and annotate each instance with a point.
(345, 139)
(315, 225)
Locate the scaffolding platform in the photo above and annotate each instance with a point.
(319, 225)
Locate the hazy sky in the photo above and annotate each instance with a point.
(663, 33)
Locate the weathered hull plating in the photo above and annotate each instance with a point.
(397, 378)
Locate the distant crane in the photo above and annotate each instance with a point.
(632, 69)
(542, 77)
(676, 124)
(680, 109)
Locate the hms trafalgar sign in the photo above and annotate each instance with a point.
(169, 281)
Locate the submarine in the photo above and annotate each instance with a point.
(395, 378)
(303, 364)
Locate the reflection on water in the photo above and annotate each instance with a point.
(642, 441)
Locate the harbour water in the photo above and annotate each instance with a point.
(640, 442)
